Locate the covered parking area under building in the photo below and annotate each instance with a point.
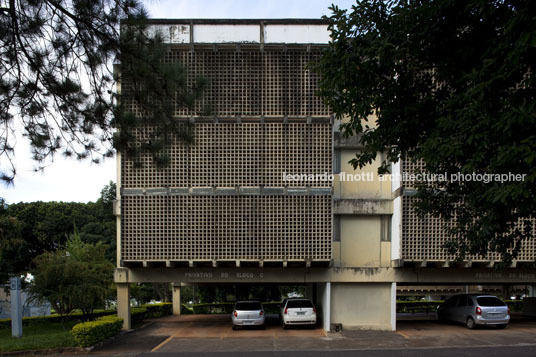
(235, 279)
(356, 298)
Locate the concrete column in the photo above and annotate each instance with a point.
(176, 298)
(326, 304)
(393, 306)
(123, 304)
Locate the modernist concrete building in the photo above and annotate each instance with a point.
(225, 209)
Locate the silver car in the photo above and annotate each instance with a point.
(474, 310)
(298, 312)
(248, 313)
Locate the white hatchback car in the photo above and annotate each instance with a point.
(298, 312)
(248, 313)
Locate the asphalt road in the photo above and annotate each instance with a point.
(518, 351)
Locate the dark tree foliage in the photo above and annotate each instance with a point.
(57, 82)
(77, 277)
(452, 84)
(143, 293)
(12, 245)
(29, 229)
(231, 292)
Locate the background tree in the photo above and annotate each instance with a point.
(27, 229)
(103, 228)
(452, 84)
(77, 277)
(12, 245)
(57, 83)
(143, 293)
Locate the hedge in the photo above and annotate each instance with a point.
(430, 306)
(158, 310)
(417, 306)
(515, 305)
(272, 307)
(90, 333)
(185, 310)
(138, 314)
(213, 308)
(223, 308)
(75, 316)
(150, 311)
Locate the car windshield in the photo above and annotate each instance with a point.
(489, 301)
(299, 303)
(248, 306)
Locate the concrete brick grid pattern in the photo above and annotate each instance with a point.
(183, 228)
(238, 154)
(252, 83)
(282, 127)
(423, 238)
(249, 82)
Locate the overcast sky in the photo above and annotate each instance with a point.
(69, 180)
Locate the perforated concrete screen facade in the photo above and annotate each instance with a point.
(224, 198)
(230, 154)
(248, 82)
(423, 238)
(274, 82)
(227, 228)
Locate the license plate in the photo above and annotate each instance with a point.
(248, 322)
(301, 312)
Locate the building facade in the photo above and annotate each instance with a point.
(265, 194)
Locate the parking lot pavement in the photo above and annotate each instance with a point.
(216, 331)
(433, 333)
(213, 333)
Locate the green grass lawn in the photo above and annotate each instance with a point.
(39, 336)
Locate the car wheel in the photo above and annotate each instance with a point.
(234, 328)
(285, 326)
(470, 323)
(263, 327)
(501, 326)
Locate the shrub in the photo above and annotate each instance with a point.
(515, 305)
(417, 306)
(137, 315)
(185, 310)
(74, 316)
(158, 310)
(90, 333)
(271, 307)
(149, 311)
(213, 308)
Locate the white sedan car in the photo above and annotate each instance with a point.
(298, 312)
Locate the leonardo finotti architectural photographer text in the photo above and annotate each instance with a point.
(407, 177)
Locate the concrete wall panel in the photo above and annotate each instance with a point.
(360, 241)
(296, 34)
(360, 183)
(361, 306)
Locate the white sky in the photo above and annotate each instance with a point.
(71, 180)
